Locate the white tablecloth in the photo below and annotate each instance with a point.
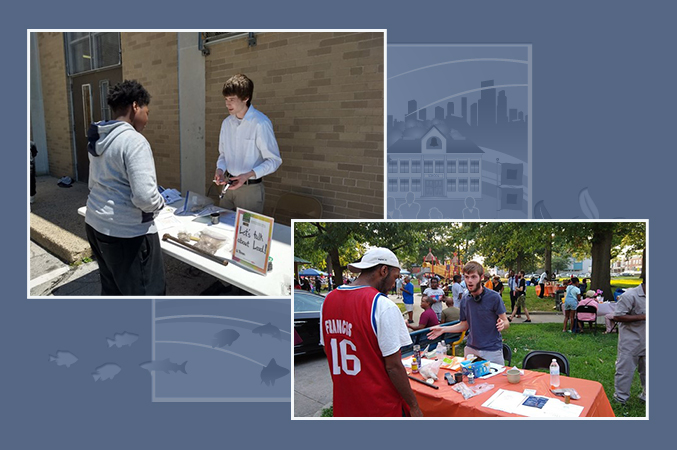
(276, 282)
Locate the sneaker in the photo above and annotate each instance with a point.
(642, 397)
(528, 320)
(618, 400)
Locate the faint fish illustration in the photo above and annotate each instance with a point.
(587, 205)
(540, 212)
(121, 339)
(225, 337)
(272, 372)
(63, 358)
(106, 372)
(165, 366)
(267, 329)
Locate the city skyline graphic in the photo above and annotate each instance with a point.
(459, 131)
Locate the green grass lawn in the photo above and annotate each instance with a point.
(591, 356)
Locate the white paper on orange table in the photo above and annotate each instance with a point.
(504, 400)
(494, 369)
(512, 402)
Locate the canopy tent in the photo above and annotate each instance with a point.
(311, 273)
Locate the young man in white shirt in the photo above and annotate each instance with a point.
(248, 150)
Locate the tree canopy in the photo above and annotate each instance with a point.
(528, 246)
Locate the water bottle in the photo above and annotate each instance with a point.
(440, 351)
(554, 374)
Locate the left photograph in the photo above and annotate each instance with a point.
(172, 163)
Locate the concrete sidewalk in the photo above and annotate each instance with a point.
(54, 221)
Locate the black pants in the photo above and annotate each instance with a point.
(128, 266)
(513, 300)
(540, 295)
(32, 178)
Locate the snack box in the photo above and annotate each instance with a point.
(479, 368)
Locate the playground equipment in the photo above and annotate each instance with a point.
(447, 269)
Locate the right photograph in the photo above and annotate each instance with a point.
(538, 319)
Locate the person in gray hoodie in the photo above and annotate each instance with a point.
(124, 198)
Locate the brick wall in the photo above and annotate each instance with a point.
(56, 104)
(152, 60)
(323, 93)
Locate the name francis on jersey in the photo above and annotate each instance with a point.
(333, 326)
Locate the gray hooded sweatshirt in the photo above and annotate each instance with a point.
(123, 193)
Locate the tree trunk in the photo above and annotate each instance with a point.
(601, 260)
(548, 257)
(518, 263)
(333, 258)
(643, 276)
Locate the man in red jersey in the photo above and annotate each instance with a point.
(362, 332)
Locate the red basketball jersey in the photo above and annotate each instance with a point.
(361, 385)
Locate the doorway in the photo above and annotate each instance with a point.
(89, 92)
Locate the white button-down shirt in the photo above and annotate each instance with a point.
(248, 144)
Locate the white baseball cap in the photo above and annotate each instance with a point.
(374, 257)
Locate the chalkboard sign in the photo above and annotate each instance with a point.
(253, 233)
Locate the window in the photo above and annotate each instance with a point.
(392, 185)
(416, 167)
(451, 166)
(416, 185)
(104, 87)
(474, 185)
(511, 174)
(87, 113)
(427, 167)
(439, 166)
(463, 185)
(392, 166)
(404, 185)
(474, 166)
(451, 185)
(463, 167)
(404, 166)
(511, 199)
(91, 51)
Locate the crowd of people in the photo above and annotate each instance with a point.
(363, 331)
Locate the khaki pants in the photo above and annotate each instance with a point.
(250, 197)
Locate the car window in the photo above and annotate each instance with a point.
(307, 302)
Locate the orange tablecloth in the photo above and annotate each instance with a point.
(445, 402)
(549, 290)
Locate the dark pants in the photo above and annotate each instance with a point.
(128, 266)
(540, 295)
(32, 178)
(513, 300)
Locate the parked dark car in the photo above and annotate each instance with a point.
(307, 321)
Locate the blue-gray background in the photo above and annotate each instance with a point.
(603, 118)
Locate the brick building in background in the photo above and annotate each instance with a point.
(323, 92)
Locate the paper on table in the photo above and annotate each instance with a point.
(166, 220)
(494, 369)
(504, 400)
(512, 402)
